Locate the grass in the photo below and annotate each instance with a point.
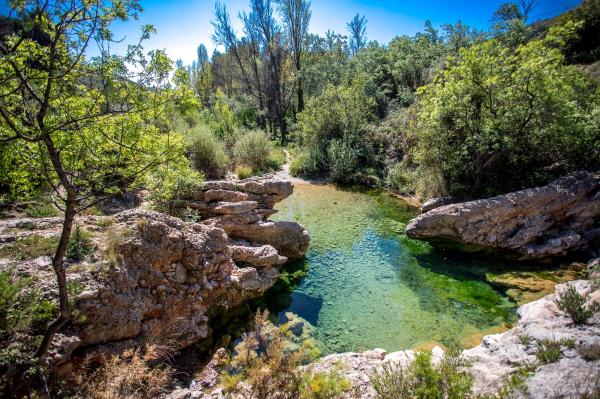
(29, 247)
(550, 351)
(590, 352)
(41, 210)
(114, 239)
(243, 172)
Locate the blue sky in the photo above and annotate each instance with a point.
(183, 24)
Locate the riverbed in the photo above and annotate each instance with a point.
(369, 286)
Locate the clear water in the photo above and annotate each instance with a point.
(369, 286)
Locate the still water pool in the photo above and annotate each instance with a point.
(369, 286)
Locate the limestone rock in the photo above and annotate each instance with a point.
(435, 203)
(241, 209)
(536, 223)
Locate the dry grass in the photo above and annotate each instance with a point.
(131, 375)
(114, 239)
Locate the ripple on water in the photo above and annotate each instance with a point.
(370, 286)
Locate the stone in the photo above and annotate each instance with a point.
(538, 223)
(435, 203)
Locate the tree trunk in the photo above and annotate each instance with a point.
(61, 278)
(300, 91)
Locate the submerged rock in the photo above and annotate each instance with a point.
(537, 223)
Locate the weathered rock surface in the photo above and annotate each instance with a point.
(153, 277)
(241, 208)
(537, 223)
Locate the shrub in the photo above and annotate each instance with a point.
(343, 161)
(402, 179)
(495, 109)
(113, 240)
(253, 149)
(243, 171)
(40, 210)
(170, 185)
(276, 158)
(575, 305)
(298, 164)
(321, 385)
(30, 247)
(80, 245)
(206, 152)
(22, 307)
(421, 379)
(132, 375)
(548, 351)
(589, 351)
(266, 366)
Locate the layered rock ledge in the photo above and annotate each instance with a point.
(543, 222)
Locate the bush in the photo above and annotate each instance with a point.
(206, 152)
(266, 366)
(276, 158)
(321, 385)
(575, 305)
(243, 172)
(132, 375)
(548, 351)
(338, 114)
(495, 109)
(421, 379)
(343, 161)
(589, 351)
(80, 245)
(171, 184)
(253, 149)
(22, 307)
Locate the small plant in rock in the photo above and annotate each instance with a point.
(575, 305)
(422, 379)
(548, 351)
(589, 351)
(80, 245)
(323, 385)
(525, 339)
(114, 238)
(243, 172)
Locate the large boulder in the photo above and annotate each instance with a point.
(537, 223)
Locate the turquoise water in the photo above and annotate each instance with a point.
(369, 286)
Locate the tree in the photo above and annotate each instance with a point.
(495, 109)
(358, 29)
(89, 124)
(296, 16)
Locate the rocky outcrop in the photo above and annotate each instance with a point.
(537, 223)
(153, 278)
(241, 209)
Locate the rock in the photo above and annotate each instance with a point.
(241, 209)
(537, 223)
(435, 203)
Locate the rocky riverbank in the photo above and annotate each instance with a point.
(538, 223)
(151, 277)
(513, 355)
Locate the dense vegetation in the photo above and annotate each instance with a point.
(445, 111)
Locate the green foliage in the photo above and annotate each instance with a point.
(321, 385)
(276, 158)
(22, 307)
(253, 149)
(424, 380)
(339, 118)
(548, 351)
(225, 127)
(80, 245)
(494, 109)
(244, 171)
(343, 161)
(575, 305)
(29, 247)
(206, 152)
(41, 210)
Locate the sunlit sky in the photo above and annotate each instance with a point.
(183, 24)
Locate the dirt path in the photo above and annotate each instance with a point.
(284, 173)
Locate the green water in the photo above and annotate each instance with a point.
(369, 286)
